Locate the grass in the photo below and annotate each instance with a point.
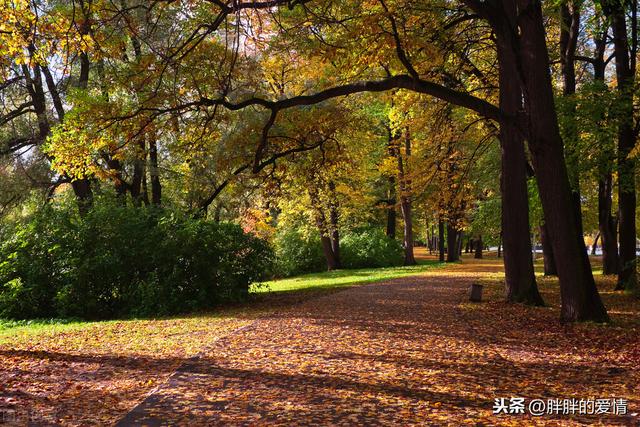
(342, 278)
(10, 330)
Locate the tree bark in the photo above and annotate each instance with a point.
(452, 243)
(607, 226)
(626, 140)
(606, 222)
(405, 201)
(580, 298)
(547, 253)
(156, 186)
(391, 214)
(520, 279)
(323, 229)
(569, 30)
(334, 217)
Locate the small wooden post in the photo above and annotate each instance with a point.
(476, 292)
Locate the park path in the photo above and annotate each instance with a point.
(409, 351)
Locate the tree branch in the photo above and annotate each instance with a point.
(461, 99)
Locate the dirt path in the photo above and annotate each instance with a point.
(409, 351)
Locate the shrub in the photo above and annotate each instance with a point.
(370, 248)
(298, 254)
(122, 261)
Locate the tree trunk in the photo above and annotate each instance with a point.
(391, 217)
(594, 247)
(156, 187)
(441, 240)
(323, 229)
(547, 253)
(569, 30)
(607, 226)
(580, 298)
(452, 244)
(409, 258)
(520, 281)
(334, 217)
(405, 202)
(138, 171)
(327, 250)
(606, 222)
(478, 242)
(626, 140)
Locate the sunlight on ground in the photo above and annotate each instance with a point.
(341, 278)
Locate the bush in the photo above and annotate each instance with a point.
(298, 254)
(365, 248)
(121, 261)
(370, 248)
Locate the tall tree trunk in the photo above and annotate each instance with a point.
(569, 30)
(452, 243)
(626, 140)
(405, 201)
(391, 215)
(478, 253)
(607, 226)
(606, 222)
(547, 253)
(441, 240)
(520, 281)
(580, 298)
(391, 192)
(409, 258)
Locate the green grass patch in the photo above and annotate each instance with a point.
(342, 278)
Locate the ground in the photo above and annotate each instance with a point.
(410, 350)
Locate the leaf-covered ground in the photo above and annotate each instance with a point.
(405, 351)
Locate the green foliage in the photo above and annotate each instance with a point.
(297, 253)
(487, 219)
(370, 248)
(122, 261)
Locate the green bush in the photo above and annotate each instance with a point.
(365, 248)
(298, 254)
(122, 261)
(370, 248)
